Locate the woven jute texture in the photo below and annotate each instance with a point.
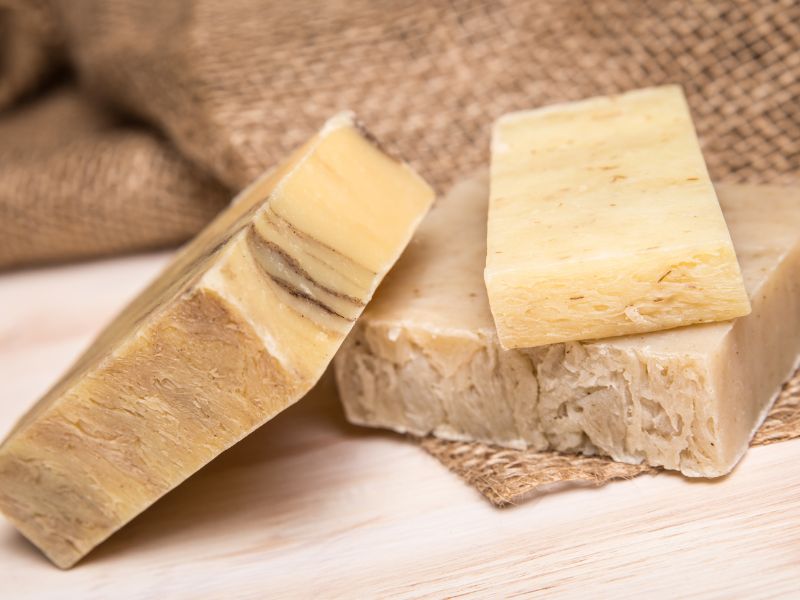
(75, 182)
(204, 91)
(507, 477)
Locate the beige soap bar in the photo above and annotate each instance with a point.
(237, 328)
(425, 358)
(603, 221)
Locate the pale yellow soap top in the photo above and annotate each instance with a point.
(603, 221)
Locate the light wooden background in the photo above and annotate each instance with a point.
(311, 507)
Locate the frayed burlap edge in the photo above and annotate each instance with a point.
(508, 477)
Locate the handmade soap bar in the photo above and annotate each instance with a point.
(425, 358)
(603, 221)
(236, 329)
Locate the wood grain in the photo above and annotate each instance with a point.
(310, 506)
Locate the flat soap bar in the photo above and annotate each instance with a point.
(237, 328)
(603, 221)
(425, 358)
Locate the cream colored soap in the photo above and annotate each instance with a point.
(237, 328)
(603, 221)
(425, 357)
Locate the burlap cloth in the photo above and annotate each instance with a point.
(126, 125)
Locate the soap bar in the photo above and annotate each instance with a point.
(603, 221)
(237, 328)
(425, 358)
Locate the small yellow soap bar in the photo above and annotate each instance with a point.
(603, 222)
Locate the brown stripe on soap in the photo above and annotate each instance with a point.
(298, 293)
(264, 250)
(264, 257)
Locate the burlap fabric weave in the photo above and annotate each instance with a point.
(127, 125)
(160, 110)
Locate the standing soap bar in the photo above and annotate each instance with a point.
(603, 222)
(237, 328)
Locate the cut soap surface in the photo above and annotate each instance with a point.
(237, 328)
(603, 221)
(425, 357)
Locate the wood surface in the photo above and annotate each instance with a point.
(310, 506)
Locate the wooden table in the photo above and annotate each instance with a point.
(310, 506)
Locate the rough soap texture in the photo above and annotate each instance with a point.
(425, 357)
(237, 328)
(603, 221)
(508, 476)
